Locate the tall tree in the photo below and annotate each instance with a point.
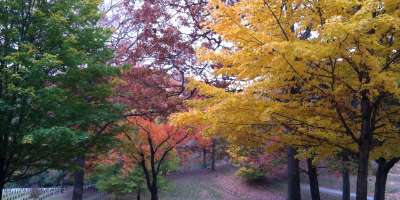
(327, 75)
(45, 45)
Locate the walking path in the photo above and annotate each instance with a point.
(332, 192)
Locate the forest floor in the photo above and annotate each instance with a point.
(223, 184)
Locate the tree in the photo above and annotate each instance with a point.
(149, 147)
(311, 74)
(88, 108)
(44, 46)
(86, 81)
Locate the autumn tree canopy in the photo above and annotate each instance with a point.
(130, 84)
(149, 147)
(313, 72)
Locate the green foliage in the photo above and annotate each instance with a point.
(171, 164)
(111, 179)
(114, 179)
(251, 173)
(54, 84)
(49, 178)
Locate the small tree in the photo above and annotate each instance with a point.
(149, 146)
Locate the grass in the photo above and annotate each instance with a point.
(224, 185)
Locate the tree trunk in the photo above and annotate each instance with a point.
(293, 176)
(364, 148)
(345, 178)
(2, 175)
(204, 157)
(79, 177)
(1, 190)
(154, 192)
(380, 182)
(362, 173)
(345, 184)
(213, 154)
(154, 187)
(313, 177)
(382, 172)
(138, 193)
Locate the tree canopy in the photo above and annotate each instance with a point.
(317, 73)
(54, 83)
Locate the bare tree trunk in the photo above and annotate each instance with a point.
(313, 177)
(381, 175)
(154, 183)
(1, 189)
(345, 184)
(362, 173)
(213, 154)
(79, 179)
(364, 148)
(138, 193)
(154, 192)
(3, 173)
(293, 176)
(380, 182)
(204, 157)
(345, 178)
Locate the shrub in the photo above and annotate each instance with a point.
(250, 173)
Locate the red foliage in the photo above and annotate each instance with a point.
(153, 138)
(149, 93)
(146, 144)
(160, 37)
(204, 142)
(161, 34)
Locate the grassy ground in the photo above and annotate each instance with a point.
(219, 185)
(392, 186)
(224, 185)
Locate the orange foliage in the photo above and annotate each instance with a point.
(148, 142)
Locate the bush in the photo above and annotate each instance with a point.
(111, 179)
(251, 173)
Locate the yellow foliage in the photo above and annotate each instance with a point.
(307, 64)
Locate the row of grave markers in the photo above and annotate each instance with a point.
(42, 193)
(30, 193)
